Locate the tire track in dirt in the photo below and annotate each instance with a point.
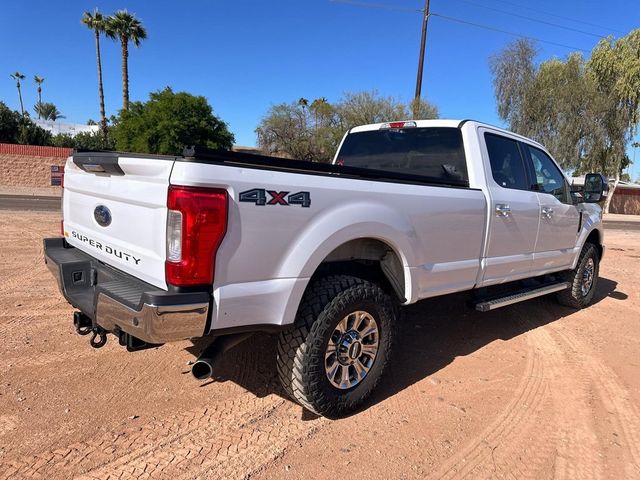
(478, 458)
(119, 448)
(220, 451)
(550, 423)
(575, 433)
(43, 359)
(30, 248)
(218, 437)
(613, 394)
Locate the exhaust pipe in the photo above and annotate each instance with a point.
(202, 369)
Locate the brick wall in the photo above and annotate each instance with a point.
(29, 165)
(626, 201)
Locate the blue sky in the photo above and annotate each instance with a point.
(247, 55)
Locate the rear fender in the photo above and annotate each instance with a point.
(335, 227)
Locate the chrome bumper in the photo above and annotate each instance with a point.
(148, 313)
(153, 323)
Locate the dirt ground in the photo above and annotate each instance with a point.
(534, 390)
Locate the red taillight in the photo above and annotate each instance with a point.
(203, 213)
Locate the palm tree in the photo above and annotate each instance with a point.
(48, 111)
(304, 103)
(319, 107)
(39, 81)
(96, 22)
(18, 77)
(127, 28)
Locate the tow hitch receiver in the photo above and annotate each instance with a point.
(82, 323)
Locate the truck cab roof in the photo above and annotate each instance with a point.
(443, 122)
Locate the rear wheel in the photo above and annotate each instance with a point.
(582, 279)
(332, 359)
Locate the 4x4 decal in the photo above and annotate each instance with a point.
(258, 196)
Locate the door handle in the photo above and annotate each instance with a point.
(503, 209)
(547, 212)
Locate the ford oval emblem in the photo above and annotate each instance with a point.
(102, 215)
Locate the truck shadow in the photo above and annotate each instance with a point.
(432, 334)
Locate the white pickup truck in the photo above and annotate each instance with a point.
(215, 244)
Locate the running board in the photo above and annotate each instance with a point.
(521, 296)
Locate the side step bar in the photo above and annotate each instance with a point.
(521, 296)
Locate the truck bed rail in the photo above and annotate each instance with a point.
(265, 162)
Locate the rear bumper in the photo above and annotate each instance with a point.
(119, 302)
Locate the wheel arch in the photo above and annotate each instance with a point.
(595, 237)
(333, 237)
(369, 258)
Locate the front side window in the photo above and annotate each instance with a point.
(506, 162)
(548, 178)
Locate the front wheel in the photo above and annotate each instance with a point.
(334, 356)
(582, 279)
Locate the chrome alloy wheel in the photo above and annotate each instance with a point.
(587, 277)
(352, 349)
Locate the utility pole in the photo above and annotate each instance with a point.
(423, 41)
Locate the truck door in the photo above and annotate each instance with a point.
(559, 217)
(513, 213)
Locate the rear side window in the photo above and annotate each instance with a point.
(433, 152)
(507, 166)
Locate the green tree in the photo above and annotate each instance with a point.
(48, 111)
(84, 141)
(39, 81)
(564, 110)
(423, 110)
(18, 128)
(584, 112)
(292, 130)
(513, 72)
(360, 108)
(125, 27)
(615, 67)
(9, 124)
(31, 134)
(168, 122)
(18, 77)
(322, 111)
(96, 22)
(313, 131)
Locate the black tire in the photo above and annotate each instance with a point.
(574, 296)
(301, 349)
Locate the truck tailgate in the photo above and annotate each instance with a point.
(115, 209)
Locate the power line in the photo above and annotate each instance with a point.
(494, 29)
(454, 19)
(532, 19)
(562, 17)
(382, 6)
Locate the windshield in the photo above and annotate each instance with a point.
(434, 152)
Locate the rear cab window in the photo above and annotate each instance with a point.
(432, 152)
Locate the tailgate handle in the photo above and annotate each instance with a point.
(98, 163)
